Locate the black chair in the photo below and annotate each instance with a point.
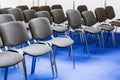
(82, 8)
(22, 7)
(56, 6)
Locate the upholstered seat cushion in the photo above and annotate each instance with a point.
(115, 23)
(92, 30)
(106, 27)
(36, 49)
(62, 41)
(59, 28)
(10, 58)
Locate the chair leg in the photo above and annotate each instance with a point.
(102, 39)
(24, 68)
(33, 65)
(107, 36)
(86, 44)
(73, 60)
(99, 41)
(6, 73)
(113, 39)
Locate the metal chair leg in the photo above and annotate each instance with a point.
(73, 60)
(6, 73)
(24, 68)
(113, 39)
(99, 41)
(102, 39)
(33, 65)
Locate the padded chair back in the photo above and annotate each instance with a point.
(6, 18)
(100, 14)
(17, 13)
(74, 18)
(45, 8)
(40, 28)
(89, 18)
(57, 6)
(36, 8)
(43, 14)
(110, 12)
(58, 16)
(13, 33)
(3, 10)
(23, 7)
(29, 14)
(82, 8)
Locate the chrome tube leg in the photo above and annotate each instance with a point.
(73, 59)
(33, 65)
(99, 41)
(86, 44)
(113, 39)
(102, 39)
(24, 68)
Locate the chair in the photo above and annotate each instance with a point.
(10, 58)
(111, 15)
(90, 24)
(56, 6)
(101, 18)
(22, 7)
(15, 33)
(82, 8)
(29, 14)
(42, 29)
(45, 8)
(3, 10)
(36, 8)
(17, 13)
(59, 19)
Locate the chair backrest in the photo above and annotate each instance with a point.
(13, 33)
(56, 6)
(110, 12)
(29, 14)
(89, 18)
(22, 7)
(74, 18)
(45, 8)
(6, 18)
(100, 14)
(3, 10)
(36, 8)
(58, 16)
(82, 8)
(17, 13)
(40, 28)
(43, 14)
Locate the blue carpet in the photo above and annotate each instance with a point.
(102, 65)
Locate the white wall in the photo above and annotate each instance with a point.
(67, 4)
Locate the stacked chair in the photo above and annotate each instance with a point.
(22, 7)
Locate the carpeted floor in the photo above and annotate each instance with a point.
(102, 65)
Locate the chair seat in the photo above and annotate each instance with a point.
(36, 49)
(10, 58)
(62, 41)
(106, 27)
(59, 28)
(92, 30)
(115, 23)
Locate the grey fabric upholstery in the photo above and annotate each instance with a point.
(106, 27)
(36, 8)
(115, 23)
(3, 10)
(59, 28)
(74, 18)
(45, 8)
(1, 43)
(57, 6)
(100, 14)
(92, 30)
(29, 14)
(110, 12)
(82, 8)
(11, 33)
(6, 18)
(62, 41)
(8, 58)
(37, 49)
(22, 7)
(58, 16)
(89, 18)
(17, 13)
(40, 28)
(43, 14)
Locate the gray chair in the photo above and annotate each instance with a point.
(29, 14)
(3, 10)
(90, 22)
(45, 8)
(22, 7)
(11, 58)
(101, 18)
(56, 6)
(82, 8)
(15, 33)
(42, 29)
(111, 15)
(59, 19)
(36, 8)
